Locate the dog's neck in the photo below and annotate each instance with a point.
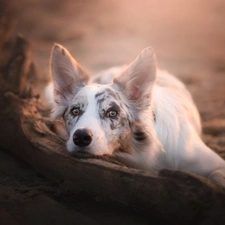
(142, 144)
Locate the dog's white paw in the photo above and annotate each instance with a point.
(218, 176)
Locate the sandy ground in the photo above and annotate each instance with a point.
(189, 40)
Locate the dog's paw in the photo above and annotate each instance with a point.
(218, 177)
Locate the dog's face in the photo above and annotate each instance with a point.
(97, 120)
(100, 118)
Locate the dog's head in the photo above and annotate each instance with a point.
(101, 119)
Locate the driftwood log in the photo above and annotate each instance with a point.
(171, 197)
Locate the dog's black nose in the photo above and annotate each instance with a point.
(82, 137)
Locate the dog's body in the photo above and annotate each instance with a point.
(143, 116)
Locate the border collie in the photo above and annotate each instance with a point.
(143, 116)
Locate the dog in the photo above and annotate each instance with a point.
(143, 116)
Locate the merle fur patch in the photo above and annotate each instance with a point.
(139, 134)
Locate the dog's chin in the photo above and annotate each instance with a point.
(75, 150)
(91, 150)
(86, 152)
(82, 154)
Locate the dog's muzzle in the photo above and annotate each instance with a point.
(82, 137)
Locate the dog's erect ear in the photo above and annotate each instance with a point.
(67, 74)
(138, 79)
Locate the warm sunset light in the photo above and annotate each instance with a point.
(112, 112)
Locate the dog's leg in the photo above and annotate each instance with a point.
(203, 161)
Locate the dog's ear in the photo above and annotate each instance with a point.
(67, 74)
(138, 79)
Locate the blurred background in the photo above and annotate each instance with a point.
(184, 34)
(188, 37)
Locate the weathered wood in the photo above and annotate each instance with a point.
(172, 197)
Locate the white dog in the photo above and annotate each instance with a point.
(145, 117)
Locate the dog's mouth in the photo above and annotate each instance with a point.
(82, 154)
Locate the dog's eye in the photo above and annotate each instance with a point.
(75, 111)
(112, 113)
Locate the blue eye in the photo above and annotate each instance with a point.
(75, 111)
(112, 113)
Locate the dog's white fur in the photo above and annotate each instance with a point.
(155, 100)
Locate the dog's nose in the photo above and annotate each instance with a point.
(82, 137)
